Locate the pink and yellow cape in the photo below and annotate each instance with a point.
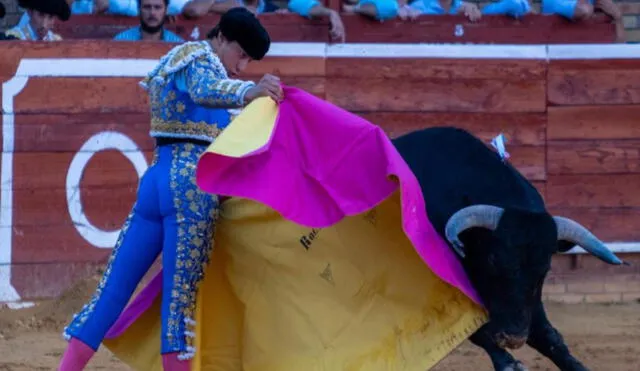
(324, 258)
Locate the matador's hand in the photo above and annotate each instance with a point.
(269, 86)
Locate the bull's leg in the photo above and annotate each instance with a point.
(544, 338)
(501, 359)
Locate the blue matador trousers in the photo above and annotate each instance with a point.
(173, 216)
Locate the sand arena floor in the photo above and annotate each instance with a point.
(604, 337)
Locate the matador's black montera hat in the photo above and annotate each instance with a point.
(240, 25)
(57, 8)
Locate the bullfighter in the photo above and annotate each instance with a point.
(192, 93)
(42, 18)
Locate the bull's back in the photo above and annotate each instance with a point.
(455, 169)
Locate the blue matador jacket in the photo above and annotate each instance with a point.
(190, 97)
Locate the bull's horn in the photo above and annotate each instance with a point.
(485, 216)
(569, 230)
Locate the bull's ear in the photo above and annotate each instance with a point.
(564, 246)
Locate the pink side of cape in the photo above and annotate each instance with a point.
(322, 164)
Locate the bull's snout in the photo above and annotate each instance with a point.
(506, 341)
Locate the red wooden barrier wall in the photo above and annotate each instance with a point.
(571, 124)
(532, 29)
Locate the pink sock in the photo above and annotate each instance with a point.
(76, 356)
(170, 362)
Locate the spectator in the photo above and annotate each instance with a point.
(131, 7)
(513, 8)
(579, 10)
(153, 14)
(305, 8)
(2, 35)
(377, 9)
(571, 9)
(42, 16)
(81, 6)
(199, 8)
(315, 9)
(77, 7)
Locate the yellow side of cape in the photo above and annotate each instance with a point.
(278, 296)
(282, 297)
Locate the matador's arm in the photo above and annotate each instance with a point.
(209, 88)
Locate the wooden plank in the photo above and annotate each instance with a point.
(105, 207)
(81, 95)
(281, 27)
(48, 171)
(443, 69)
(524, 132)
(285, 67)
(592, 268)
(51, 244)
(43, 231)
(614, 282)
(439, 95)
(50, 280)
(597, 64)
(594, 157)
(530, 161)
(313, 85)
(13, 52)
(107, 95)
(532, 29)
(593, 190)
(572, 83)
(68, 132)
(597, 30)
(518, 128)
(47, 281)
(593, 122)
(609, 224)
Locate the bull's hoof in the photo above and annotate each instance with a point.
(515, 366)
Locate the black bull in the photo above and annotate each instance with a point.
(497, 223)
